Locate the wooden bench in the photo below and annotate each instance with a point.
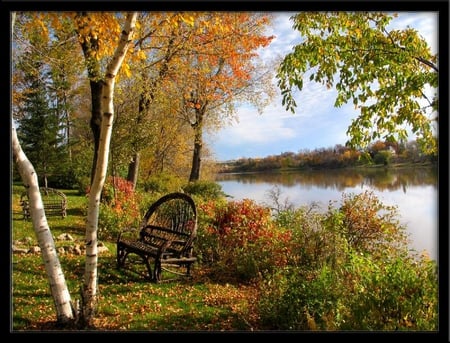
(55, 202)
(165, 239)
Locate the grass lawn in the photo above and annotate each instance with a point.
(127, 301)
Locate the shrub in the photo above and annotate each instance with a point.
(119, 207)
(207, 190)
(382, 157)
(366, 223)
(398, 293)
(313, 244)
(83, 185)
(296, 299)
(238, 239)
(162, 183)
(364, 293)
(66, 180)
(354, 271)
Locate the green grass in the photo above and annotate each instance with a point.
(127, 301)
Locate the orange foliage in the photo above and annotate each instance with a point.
(217, 47)
(219, 57)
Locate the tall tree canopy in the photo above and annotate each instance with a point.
(219, 70)
(391, 76)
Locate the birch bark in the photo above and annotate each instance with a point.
(55, 275)
(89, 292)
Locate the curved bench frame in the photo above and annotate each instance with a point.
(166, 237)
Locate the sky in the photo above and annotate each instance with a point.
(316, 122)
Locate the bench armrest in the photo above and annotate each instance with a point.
(125, 232)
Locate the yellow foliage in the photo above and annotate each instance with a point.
(126, 69)
(188, 20)
(141, 55)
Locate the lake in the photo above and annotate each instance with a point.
(412, 190)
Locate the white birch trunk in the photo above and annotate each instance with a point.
(89, 293)
(55, 275)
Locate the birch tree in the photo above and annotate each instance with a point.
(55, 275)
(83, 314)
(89, 291)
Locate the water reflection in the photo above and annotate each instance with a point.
(338, 179)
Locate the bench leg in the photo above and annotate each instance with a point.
(157, 271)
(26, 210)
(149, 269)
(180, 268)
(26, 215)
(121, 257)
(122, 254)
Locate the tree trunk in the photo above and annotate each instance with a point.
(58, 287)
(89, 291)
(198, 144)
(145, 99)
(196, 160)
(96, 119)
(133, 169)
(90, 49)
(55, 275)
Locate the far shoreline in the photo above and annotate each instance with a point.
(400, 165)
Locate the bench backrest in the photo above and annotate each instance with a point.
(50, 196)
(172, 218)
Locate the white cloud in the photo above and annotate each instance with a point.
(285, 38)
(255, 128)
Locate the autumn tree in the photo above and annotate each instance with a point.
(42, 123)
(160, 143)
(48, 55)
(93, 31)
(220, 70)
(171, 152)
(387, 74)
(183, 51)
(162, 36)
(89, 291)
(68, 84)
(376, 147)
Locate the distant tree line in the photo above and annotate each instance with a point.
(379, 153)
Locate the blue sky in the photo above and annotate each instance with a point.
(316, 122)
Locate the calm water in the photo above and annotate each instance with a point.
(413, 191)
